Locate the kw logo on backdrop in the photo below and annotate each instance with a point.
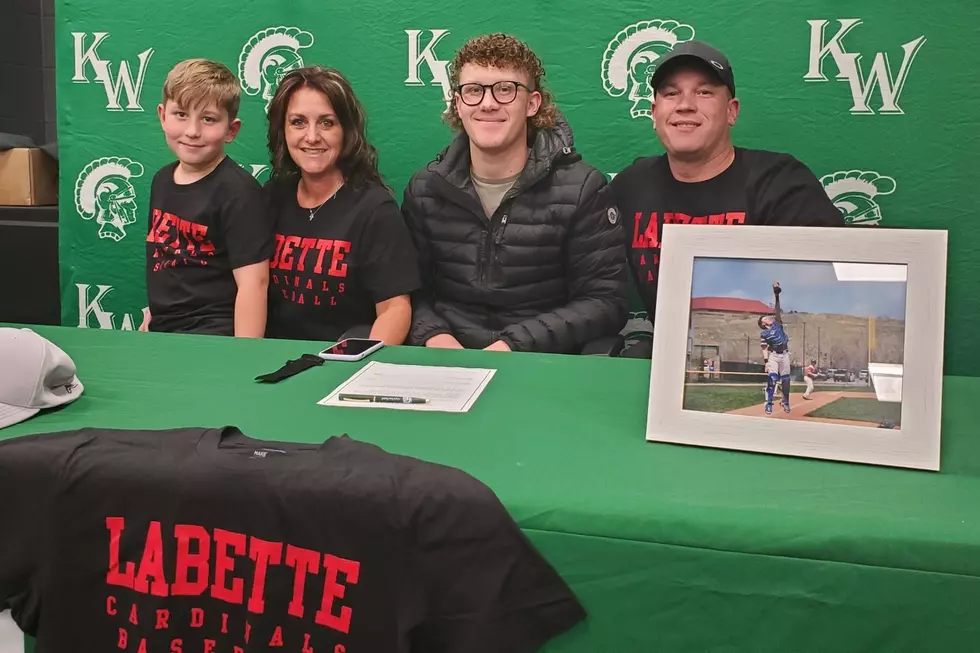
(853, 192)
(631, 57)
(88, 61)
(268, 56)
(849, 67)
(418, 55)
(104, 191)
(90, 304)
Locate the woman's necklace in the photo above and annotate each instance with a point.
(313, 212)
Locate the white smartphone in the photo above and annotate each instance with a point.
(351, 349)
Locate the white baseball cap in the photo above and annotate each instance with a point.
(34, 374)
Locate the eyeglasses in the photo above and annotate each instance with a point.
(504, 92)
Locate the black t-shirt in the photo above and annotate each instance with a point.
(197, 235)
(206, 540)
(758, 188)
(328, 273)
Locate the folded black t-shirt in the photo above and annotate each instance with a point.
(206, 540)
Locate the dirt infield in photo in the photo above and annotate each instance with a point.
(800, 407)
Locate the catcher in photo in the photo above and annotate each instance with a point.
(775, 351)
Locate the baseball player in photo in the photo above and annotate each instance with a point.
(765, 386)
(808, 375)
(776, 342)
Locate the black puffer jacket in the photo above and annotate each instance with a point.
(546, 272)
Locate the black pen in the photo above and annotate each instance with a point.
(383, 399)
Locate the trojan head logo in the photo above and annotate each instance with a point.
(268, 56)
(853, 192)
(259, 171)
(638, 327)
(104, 191)
(632, 56)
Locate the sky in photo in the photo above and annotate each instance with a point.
(808, 287)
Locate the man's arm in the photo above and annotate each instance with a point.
(251, 301)
(426, 323)
(788, 194)
(597, 284)
(775, 291)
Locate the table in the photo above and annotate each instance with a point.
(670, 548)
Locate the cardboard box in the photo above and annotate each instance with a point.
(28, 177)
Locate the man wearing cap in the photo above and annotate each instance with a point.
(703, 178)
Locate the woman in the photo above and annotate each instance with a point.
(344, 260)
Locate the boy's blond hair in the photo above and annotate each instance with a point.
(197, 82)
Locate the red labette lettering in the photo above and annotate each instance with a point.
(155, 216)
(649, 237)
(274, 263)
(209, 645)
(134, 617)
(186, 560)
(177, 646)
(306, 644)
(126, 578)
(334, 590)
(263, 553)
(322, 246)
(286, 261)
(276, 638)
(223, 564)
(152, 564)
(307, 244)
(337, 268)
(200, 232)
(197, 617)
(123, 639)
(162, 617)
(304, 562)
(142, 646)
(110, 606)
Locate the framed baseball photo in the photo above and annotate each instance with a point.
(798, 341)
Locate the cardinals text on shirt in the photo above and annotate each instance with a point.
(306, 270)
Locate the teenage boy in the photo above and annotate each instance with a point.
(520, 244)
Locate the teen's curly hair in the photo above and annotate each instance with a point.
(358, 159)
(503, 51)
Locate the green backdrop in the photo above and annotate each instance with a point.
(878, 97)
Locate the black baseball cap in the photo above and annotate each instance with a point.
(698, 50)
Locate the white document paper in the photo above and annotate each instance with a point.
(447, 389)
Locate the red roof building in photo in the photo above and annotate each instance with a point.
(730, 305)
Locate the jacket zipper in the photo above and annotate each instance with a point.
(500, 231)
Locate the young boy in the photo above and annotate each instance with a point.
(209, 239)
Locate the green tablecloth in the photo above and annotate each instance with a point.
(670, 548)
